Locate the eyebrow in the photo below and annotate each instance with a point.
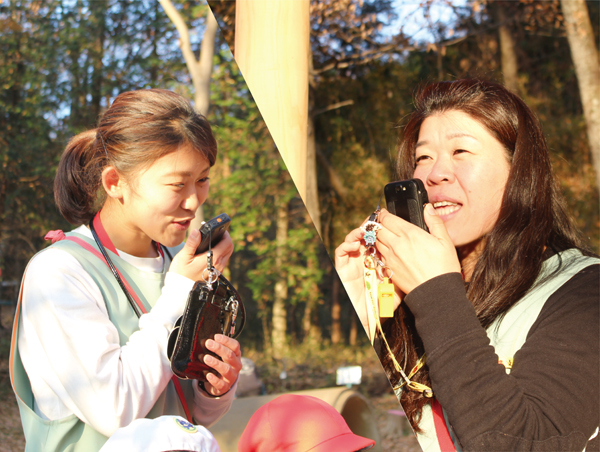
(448, 137)
(185, 173)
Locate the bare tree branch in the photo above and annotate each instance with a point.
(333, 107)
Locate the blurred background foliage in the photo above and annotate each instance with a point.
(363, 79)
(64, 61)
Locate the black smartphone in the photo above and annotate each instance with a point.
(406, 199)
(212, 232)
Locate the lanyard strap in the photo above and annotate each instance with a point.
(102, 240)
(441, 428)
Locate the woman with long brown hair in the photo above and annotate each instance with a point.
(89, 351)
(503, 265)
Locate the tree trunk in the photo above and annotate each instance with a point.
(77, 86)
(309, 328)
(154, 54)
(440, 67)
(200, 70)
(203, 68)
(353, 328)
(201, 79)
(278, 335)
(75, 92)
(507, 49)
(587, 68)
(312, 191)
(98, 11)
(336, 312)
(262, 306)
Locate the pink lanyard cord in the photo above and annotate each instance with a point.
(103, 241)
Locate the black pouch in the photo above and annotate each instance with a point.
(211, 309)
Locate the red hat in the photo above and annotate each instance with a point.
(299, 423)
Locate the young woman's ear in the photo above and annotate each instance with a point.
(112, 182)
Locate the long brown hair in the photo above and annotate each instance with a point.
(532, 215)
(138, 128)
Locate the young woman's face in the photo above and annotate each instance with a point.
(464, 169)
(161, 201)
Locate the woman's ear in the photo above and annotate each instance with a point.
(112, 182)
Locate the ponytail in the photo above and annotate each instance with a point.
(78, 182)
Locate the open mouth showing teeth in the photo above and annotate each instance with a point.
(445, 207)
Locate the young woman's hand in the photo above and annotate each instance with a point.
(411, 253)
(228, 369)
(192, 266)
(349, 263)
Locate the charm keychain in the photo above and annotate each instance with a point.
(213, 276)
(375, 269)
(385, 296)
(213, 273)
(370, 229)
(383, 292)
(234, 305)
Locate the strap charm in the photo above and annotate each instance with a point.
(371, 291)
(380, 302)
(385, 296)
(212, 274)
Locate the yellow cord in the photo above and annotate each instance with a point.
(419, 387)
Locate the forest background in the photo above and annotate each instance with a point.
(64, 61)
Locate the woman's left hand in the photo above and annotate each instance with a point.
(412, 254)
(229, 368)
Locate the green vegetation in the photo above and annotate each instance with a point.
(64, 62)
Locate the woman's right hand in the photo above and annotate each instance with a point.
(187, 263)
(413, 255)
(349, 263)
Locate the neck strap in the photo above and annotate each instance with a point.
(102, 240)
(100, 235)
(98, 230)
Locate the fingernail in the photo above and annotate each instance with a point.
(430, 210)
(210, 343)
(194, 233)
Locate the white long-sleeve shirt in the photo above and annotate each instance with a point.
(71, 352)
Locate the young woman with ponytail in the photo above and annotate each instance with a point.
(82, 363)
(500, 299)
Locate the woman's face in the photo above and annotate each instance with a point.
(464, 169)
(161, 201)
